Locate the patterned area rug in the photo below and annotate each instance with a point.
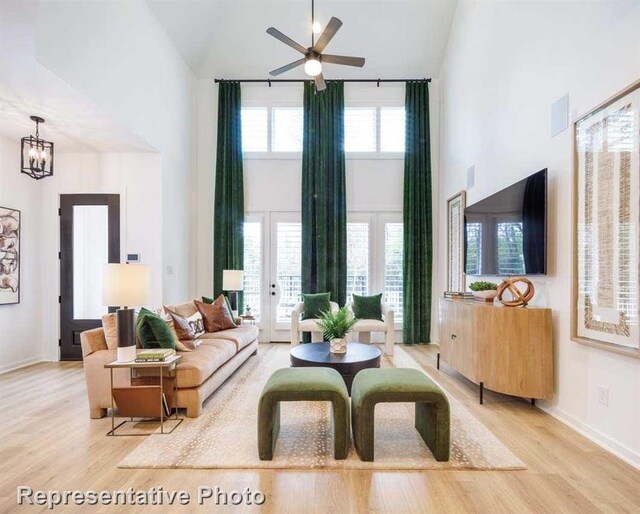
(224, 436)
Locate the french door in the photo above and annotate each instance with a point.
(273, 279)
(89, 238)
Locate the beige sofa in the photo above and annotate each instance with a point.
(199, 373)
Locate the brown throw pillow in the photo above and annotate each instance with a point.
(110, 330)
(183, 328)
(216, 316)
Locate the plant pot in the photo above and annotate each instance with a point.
(338, 345)
(485, 296)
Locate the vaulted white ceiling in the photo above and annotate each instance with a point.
(228, 39)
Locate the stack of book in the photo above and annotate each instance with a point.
(459, 295)
(155, 355)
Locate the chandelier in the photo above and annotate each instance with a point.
(37, 154)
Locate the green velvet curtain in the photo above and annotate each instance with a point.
(324, 209)
(228, 240)
(417, 216)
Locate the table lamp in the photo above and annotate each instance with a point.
(232, 282)
(125, 285)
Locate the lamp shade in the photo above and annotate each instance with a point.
(232, 280)
(125, 285)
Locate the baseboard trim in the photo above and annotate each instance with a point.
(620, 451)
(20, 364)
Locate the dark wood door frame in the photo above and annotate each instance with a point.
(71, 328)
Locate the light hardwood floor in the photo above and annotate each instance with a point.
(49, 443)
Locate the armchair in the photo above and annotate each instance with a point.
(307, 325)
(365, 326)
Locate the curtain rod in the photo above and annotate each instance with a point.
(270, 81)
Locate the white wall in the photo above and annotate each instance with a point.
(506, 63)
(21, 336)
(29, 331)
(117, 54)
(136, 178)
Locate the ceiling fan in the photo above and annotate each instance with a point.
(313, 56)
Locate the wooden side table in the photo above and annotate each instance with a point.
(169, 365)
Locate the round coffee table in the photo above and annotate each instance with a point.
(358, 357)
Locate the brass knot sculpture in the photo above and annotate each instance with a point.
(518, 296)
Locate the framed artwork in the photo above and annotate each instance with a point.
(9, 256)
(455, 242)
(606, 216)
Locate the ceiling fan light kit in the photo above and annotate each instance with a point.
(313, 56)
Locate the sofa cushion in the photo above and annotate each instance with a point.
(196, 367)
(154, 331)
(110, 330)
(208, 300)
(241, 336)
(216, 316)
(183, 328)
(185, 309)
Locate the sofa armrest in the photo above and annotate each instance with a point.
(349, 307)
(98, 380)
(295, 323)
(388, 315)
(92, 341)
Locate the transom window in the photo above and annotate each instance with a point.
(368, 131)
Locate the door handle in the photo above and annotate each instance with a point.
(273, 285)
(273, 293)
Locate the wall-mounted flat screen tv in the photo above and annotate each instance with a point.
(506, 233)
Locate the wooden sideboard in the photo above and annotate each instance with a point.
(505, 349)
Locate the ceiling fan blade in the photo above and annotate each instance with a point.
(327, 34)
(286, 67)
(286, 40)
(343, 59)
(321, 85)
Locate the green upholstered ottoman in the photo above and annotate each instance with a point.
(303, 384)
(373, 386)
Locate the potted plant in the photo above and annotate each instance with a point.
(335, 327)
(485, 291)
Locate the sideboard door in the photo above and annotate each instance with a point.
(457, 337)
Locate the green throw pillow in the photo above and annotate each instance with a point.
(153, 331)
(206, 299)
(315, 304)
(367, 307)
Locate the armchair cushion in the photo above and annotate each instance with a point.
(369, 325)
(367, 307)
(315, 304)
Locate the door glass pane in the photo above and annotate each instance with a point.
(288, 268)
(253, 267)
(393, 251)
(357, 259)
(90, 254)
